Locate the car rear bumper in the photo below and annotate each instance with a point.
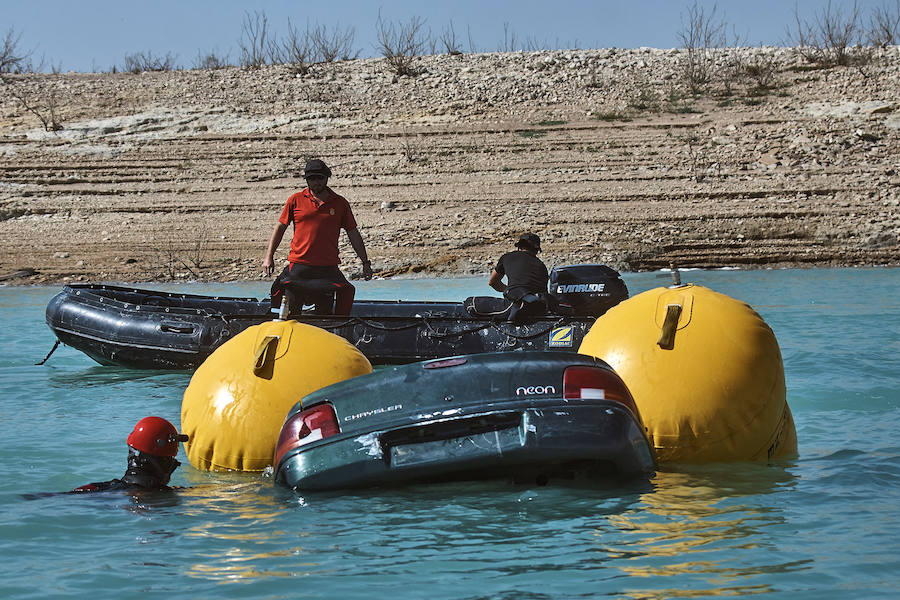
(531, 444)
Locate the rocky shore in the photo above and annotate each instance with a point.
(604, 153)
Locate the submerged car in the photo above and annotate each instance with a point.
(532, 417)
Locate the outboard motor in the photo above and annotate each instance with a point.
(587, 290)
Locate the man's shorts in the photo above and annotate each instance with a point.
(325, 287)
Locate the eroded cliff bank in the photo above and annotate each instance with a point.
(181, 175)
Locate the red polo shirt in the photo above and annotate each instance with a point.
(316, 227)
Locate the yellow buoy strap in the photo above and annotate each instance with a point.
(666, 339)
(265, 354)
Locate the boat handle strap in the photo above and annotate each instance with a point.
(666, 339)
(265, 355)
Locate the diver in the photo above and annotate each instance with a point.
(526, 279)
(152, 447)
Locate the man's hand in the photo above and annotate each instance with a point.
(268, 265)
(367, 270)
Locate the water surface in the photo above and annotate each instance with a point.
(822, 526)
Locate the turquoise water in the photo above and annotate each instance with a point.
(826, 525)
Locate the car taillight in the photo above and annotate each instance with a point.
(582, 382)
(309, 425)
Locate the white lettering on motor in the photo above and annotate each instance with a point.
(535, 389)
(580, 288)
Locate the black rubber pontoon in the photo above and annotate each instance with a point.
(163, 330)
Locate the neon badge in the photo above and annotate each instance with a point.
(561, 337)
(535, 389)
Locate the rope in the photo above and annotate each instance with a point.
(415, 322)
(531, 336)
(357, 320)
(437, 334)
(46, 358)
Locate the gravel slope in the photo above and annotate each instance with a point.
(181, 175)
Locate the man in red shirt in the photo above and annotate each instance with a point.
(318, 215)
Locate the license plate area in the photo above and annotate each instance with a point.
(453, 439)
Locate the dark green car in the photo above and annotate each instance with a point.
(530, 417)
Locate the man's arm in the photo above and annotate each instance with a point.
(268, 263)
(495, 281)
(360, 248)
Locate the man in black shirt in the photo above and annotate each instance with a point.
(526, 278)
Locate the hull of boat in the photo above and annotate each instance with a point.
(148, 329)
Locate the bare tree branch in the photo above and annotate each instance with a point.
(701, 36)
(296, 49)
(831, 37)
(146, 61)
(12, 59)
(509, 39)
(472, 47)
(450, 41)
(255, 42)
(210, 60)
(401, 43)
(334, 45)
(44, 109)
(884, 26)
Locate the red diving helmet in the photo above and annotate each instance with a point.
(156, 436)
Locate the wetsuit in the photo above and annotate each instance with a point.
(113, 485)
(144, 472)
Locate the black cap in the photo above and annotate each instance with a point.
(316, 167)
(529, 240)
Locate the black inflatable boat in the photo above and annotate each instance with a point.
(532, 417)
(162, 330)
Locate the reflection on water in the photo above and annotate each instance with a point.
(706, 525)
(99, 375)
(235, 518)
(245, 497)
(235, 569)
(697, 524)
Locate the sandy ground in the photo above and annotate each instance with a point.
(180, 176)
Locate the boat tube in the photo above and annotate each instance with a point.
(150, 329)
(530, 417)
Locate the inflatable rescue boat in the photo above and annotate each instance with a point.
(149, 329)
